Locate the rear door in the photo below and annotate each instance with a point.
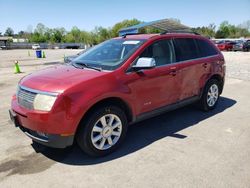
(196, 59)
(208, 58)
(190, 68)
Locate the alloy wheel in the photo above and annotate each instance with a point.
(212, 95)
(106, 131)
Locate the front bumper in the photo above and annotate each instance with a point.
(51, 140)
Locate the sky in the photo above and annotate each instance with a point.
(86, 14)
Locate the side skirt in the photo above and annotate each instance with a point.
(164, 109)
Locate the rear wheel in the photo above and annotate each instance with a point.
(210, 95)
(103, 131)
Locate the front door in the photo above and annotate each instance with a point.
(157, 87)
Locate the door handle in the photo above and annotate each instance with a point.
(205, 65)
(173, 73)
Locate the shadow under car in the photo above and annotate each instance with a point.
(140, 134)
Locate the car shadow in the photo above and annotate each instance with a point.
(140, 134)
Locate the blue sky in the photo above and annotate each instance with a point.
(86, 14)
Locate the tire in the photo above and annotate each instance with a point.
(103, 131)
(210, 95)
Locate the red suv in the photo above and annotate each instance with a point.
(119, 82)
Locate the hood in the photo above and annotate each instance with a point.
(58, 78)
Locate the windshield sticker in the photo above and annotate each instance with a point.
(131, 42)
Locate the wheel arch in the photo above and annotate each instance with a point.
(116, 101)
(220, 79)
(217, 77)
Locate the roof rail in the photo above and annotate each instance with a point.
(124, 36)
(179, 31)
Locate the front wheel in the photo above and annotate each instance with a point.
(103, 131)
(210, 95)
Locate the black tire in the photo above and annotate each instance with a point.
(203, 103)
(84, 133)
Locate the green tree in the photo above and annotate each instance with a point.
(21, 34)
(123, 24)
(9, 32)
(85, 37)
(76, 33)
(245, 25)
(208, 31)
(69, 38)
(227, 30)
(57, 35)
(40, 28)
(101, 34)
(224, 30)
(37, 37)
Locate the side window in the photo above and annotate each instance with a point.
(206, 49)
(185, 49)
(162, 51)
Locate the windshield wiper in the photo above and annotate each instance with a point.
(76, 66)
(86, 65)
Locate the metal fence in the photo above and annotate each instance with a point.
(25, 45)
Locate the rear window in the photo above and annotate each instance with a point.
(206, 49)
(185, 49)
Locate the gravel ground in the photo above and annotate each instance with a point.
(238, 65)
(183, 148)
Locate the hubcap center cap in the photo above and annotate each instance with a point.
(107, 131)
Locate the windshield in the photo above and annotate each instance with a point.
(109, 55)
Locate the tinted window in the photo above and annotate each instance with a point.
(185, 49)
(206, 49)
(161, 51)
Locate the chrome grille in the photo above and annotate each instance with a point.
(25, 98)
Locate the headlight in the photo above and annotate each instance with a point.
(44, 102)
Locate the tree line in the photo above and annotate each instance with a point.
(59, 35)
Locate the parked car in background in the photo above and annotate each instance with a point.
(121, 81)
(36, 46)
(3, 47)
(226, 45)
(241, 45)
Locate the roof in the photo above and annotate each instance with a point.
(158, 35)
(164, 24)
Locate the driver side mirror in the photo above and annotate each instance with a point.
(144, 63)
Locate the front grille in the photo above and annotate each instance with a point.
(25, 98)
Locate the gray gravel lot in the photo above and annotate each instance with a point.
(183, 148)
(238, 65)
